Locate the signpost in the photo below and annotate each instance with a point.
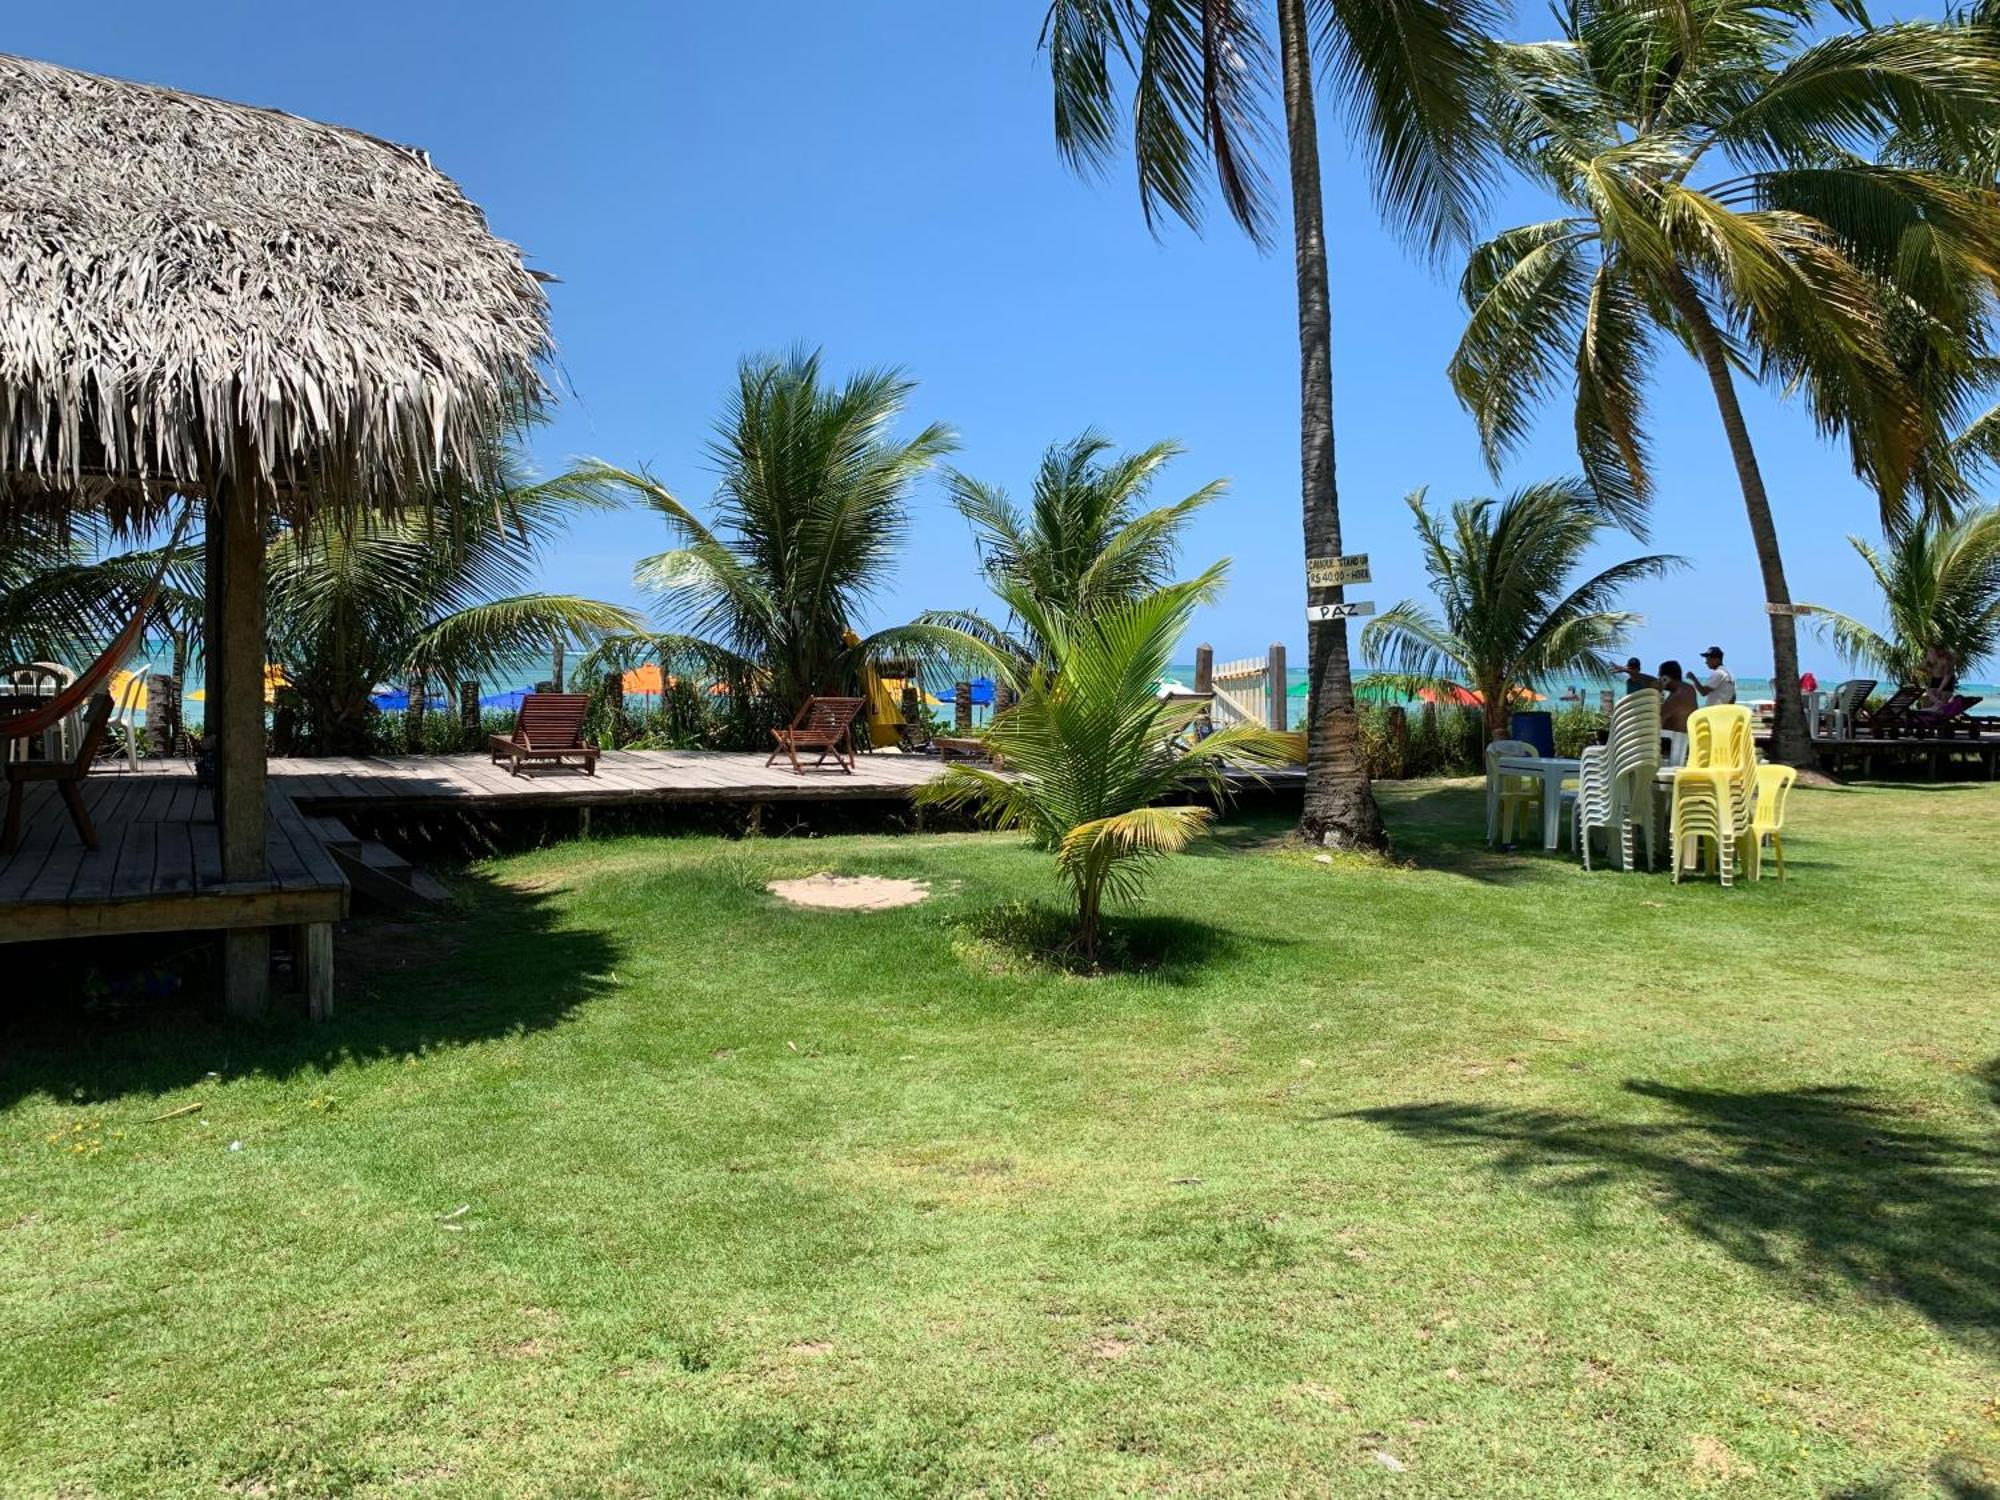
(1788, 609)
(1333, 572)
(1350, 611)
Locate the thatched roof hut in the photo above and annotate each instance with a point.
(202, 299)
(190, 286)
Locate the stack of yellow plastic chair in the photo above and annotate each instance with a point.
(1714, 791)
(1767, 820)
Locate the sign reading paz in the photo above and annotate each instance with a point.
(1788, 609)
(1332, 572)
(1349, 611)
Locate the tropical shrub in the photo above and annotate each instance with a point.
(1940, 585)
(1090, 754)
(1513, 616)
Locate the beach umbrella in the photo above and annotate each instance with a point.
(398, 699)
(645, 679)
(510, 699)
(120, 681)
(274, 678)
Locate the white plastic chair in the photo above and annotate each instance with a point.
(43, 679)
(1593, 800)
(1508, 797)
(123, 718)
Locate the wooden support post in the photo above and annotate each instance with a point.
(235, 714)
(583, 821)
(163, 714)
(413, 716)
(1399, 739)
(556, 666)
(961, 707)
(1274, 667)
(314, 942)
(468, 712)
(614, 694)
(755, 827)
(1204, 684)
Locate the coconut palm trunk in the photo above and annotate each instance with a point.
(1790, 743)
(1339, 803)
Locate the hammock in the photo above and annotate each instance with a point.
(52, 712)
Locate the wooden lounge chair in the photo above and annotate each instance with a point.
(66, 774)
(825, 725)
(548, 728)
(1892, 718)
(950, 747)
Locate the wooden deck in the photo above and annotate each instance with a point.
(158, 865)
(623, 777)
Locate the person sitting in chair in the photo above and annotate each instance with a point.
(1939, 676)
(1677, 698)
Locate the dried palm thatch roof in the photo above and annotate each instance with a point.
(188, 286)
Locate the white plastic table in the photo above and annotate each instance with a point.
(1553, 769)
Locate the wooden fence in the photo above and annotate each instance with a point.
(1250, 691)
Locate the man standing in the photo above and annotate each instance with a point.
(1720, 687)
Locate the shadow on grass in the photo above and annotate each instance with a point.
(1952, 1478)
(1820, 1188)
(1441, 825)
(1033, 935)
(500, 964)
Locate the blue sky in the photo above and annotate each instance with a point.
(878, 179)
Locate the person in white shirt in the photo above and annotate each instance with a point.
(1720, 686)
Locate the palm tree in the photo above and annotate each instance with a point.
(64, 590)
(1408, 73)
(1087, 540)
(1940, 583)
(1513, 620)
(1789, 258)
(432, 593)
(811, 508)
(1091, 752)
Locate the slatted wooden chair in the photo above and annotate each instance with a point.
(548, 729)
(825, 725)
(1892, 718)
(66, 774)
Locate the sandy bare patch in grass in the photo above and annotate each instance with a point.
(829, 892)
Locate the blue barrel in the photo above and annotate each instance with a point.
(1535, 727)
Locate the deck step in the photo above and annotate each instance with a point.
(385, 877)
(333, 833)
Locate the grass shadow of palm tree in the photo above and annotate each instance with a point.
(1167, 948)
(500, 963)
(1823, 1189)
(1441, 825)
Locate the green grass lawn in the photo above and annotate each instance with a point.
(1476, 1176)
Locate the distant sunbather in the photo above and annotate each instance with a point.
(1939, 675)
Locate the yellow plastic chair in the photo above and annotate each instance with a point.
(1774, 790)
(1714, 791)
